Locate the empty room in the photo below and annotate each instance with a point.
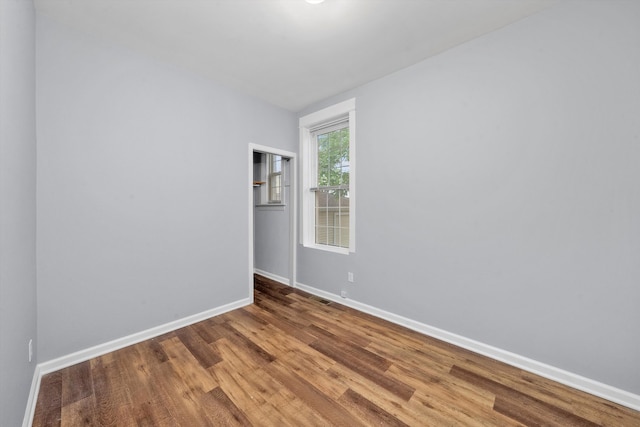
(196, 223)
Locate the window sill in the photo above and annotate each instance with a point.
(327, 248)
(271, 207)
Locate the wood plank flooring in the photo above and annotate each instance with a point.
(293, 359)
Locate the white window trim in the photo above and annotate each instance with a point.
(307, 123)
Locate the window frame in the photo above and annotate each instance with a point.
(308, 124)
(264, 198)
(270, 175)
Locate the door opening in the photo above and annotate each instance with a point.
(272, 204)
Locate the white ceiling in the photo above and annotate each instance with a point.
(288, 52)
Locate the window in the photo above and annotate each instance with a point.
(274, 180)
(269, 174)
(328, 154)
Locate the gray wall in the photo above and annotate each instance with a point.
(498, 192)
(142, 190)
(17, 206)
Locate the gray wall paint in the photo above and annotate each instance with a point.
(17, 206)
(142, 198)
(498, 192)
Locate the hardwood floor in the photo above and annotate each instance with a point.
(294, 359)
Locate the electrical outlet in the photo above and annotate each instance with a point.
(343, 294)
(350, 276)
(30, 350)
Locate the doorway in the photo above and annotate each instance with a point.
(272, 204)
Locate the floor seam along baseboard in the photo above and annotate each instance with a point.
(101, 349)
(561, 376)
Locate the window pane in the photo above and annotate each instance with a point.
(333, 157)
(274, 180)
(332, 218)
(276, 163)
(275, 188)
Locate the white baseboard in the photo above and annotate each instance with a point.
(99, 350)
(561, 376)
(33, 395)
(570, 379)
(272, 276)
